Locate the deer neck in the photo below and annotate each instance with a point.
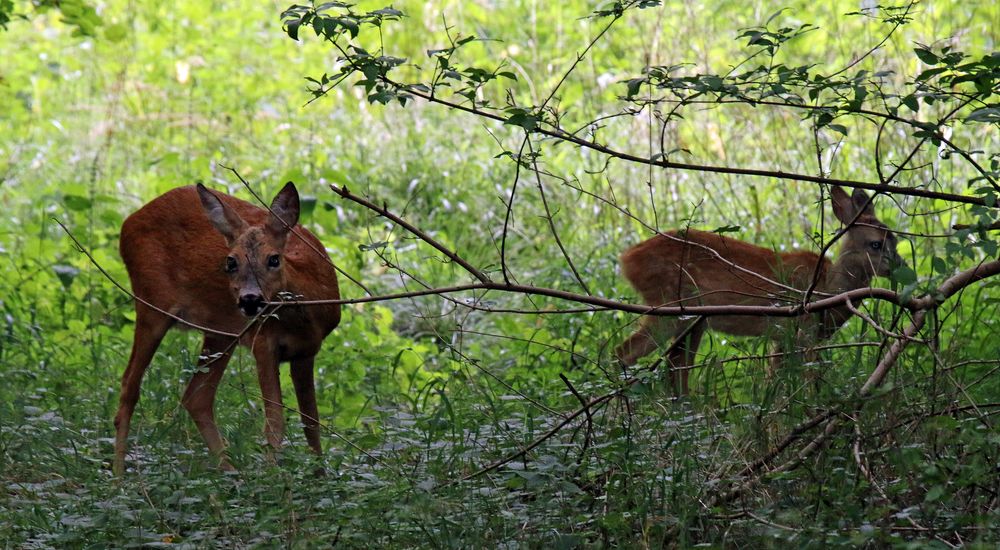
(847, 273)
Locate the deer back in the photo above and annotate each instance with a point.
(694, 267)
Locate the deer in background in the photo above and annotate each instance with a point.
(693, 267)
(197, 258)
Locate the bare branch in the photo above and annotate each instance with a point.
(382, 211)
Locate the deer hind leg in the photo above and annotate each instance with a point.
(655, 333)
(305, 393)
(199, 398)
(150, 327)
(799, 348)
(652, 333)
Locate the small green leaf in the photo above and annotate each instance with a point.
(904, 275)
(390, 12)
(839, 128)
(327, 5)
(77, 202)
(927, 56)
(373, 246)
(939, 266)
(115, 33)
(523, 119)
(727, 229)
(985, 114)
(935, 493)
(713, 82)
(66, 274)
(351, 26)
(989, 247)
(633, 86)
(292, 28)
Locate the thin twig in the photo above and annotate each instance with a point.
(384, 212)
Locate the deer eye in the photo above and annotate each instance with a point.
(876, 245)
(273, 260)
(231, 264)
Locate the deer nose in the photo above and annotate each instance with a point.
(250, 304)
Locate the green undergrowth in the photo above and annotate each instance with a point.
(428, 404)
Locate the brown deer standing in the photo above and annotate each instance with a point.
(215, 261)
(699, 268)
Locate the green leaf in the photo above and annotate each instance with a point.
(349, 24)
(633, 86)
(292, 28)
(904, 275)
(939, 266)
(727, 229)
(986, 114)
(927, 56)
(115, 33)
(66, 274)
(77, 203)
(911, 103)
(713, 82)
(935, 493)
(989, 247)
(839, 128)
(390, 12)
(327, 5)
(523, 119)
(926, 75)
(373, 246)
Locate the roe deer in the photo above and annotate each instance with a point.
(214, 261)
(699, 268)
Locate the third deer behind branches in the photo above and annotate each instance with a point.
(699, 268)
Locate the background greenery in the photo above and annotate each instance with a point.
(96, 119)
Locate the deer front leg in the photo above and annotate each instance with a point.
(682, 357)
(199, 398)
(305, 392)
(270, 390)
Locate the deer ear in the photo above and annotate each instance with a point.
(861, 202)
(842, 206)
(284, 211)
(223, 218)
(847, 207)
